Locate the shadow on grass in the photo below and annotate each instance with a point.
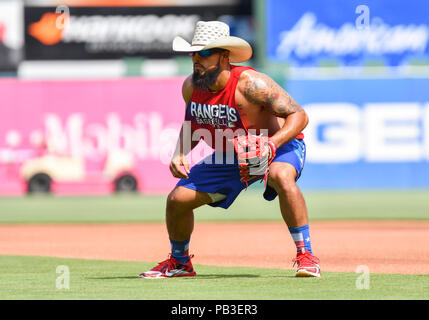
(199, 276)
(226, 276)
(113, 278)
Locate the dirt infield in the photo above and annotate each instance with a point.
(383, 246)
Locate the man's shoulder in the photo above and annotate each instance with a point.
(243, 71)
(187, 89)
(187, 83)
(250, 76)
(248, 73)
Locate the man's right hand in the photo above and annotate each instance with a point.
(175, 167)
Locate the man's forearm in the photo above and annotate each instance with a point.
(293, 125)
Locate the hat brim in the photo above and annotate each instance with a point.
(240, 50)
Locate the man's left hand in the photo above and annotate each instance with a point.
(255, 154)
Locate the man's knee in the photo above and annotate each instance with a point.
(282, 178)
(186, 199)
(173, 200)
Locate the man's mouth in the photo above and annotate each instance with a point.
(198, 67)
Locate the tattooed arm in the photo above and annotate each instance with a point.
(261, 90)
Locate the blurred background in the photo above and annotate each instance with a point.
(90, 91)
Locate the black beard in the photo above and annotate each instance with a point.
(204, 81)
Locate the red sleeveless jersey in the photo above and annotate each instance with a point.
(216, 111)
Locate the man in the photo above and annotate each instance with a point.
(221, 97)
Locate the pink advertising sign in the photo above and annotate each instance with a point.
(82, 136)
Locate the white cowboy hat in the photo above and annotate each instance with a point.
(215, 34)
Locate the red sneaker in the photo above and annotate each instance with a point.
(170, 268)
(307, 264)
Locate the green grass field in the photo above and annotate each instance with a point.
(249, 206)
(35, 277)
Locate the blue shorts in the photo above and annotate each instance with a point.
(207, 176)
